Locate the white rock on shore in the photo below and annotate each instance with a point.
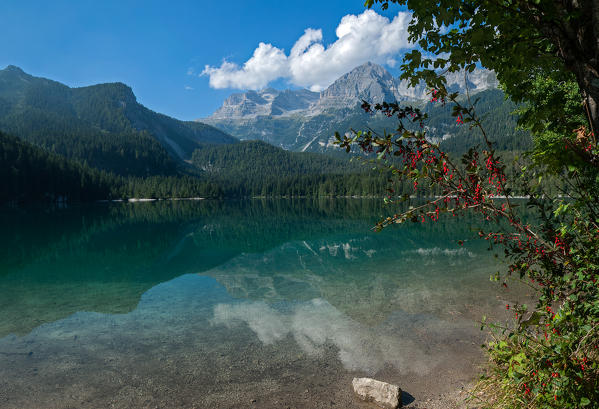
(383, 394)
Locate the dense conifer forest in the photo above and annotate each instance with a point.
(30, 173)
(495, 110)
(101, 125)
(247, 169)
(99, 143)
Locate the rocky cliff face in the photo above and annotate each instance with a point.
(305, 120)
(370, 82)
(478, 80)
(266, 102)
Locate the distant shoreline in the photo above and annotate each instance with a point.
(176, 199)
(141, 199)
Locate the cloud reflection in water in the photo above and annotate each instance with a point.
(316, 322)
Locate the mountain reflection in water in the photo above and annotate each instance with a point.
(109, 301)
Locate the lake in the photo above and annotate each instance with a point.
(257, 303)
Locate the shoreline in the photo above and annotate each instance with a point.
(142, 199)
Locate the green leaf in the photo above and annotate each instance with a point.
(520, 357)
(533, 320)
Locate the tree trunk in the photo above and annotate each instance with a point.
(592, 104)
(577, 42)
(592, 92)
(582, 58)
(588, 83)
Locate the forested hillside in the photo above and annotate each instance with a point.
(29, 173)
(97, 142)
(498, 121)
(256, 159)
(491, 105)
(101, 125)
(255, 168)
(308, 124)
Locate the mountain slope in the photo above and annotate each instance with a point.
(266, 102)
(31, 173)
(102, 125)
(255, 168)
(258, 159)
(314, 120)
(368, 82)
(314, 133)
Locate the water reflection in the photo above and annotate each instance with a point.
(190, 336)
(316, 323)
(103, 258)
(211, 304)
(367, 277)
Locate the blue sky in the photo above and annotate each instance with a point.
(160, 47)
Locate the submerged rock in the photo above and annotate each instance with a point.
(383, 394)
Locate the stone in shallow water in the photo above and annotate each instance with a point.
(383, 394)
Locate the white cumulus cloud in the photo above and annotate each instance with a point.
(360, 38)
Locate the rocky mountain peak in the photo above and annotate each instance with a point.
(268, 101)
(368, 81)
(476, 81)
(369, 70)
(302, 120)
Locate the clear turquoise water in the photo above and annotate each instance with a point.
(234, 304)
